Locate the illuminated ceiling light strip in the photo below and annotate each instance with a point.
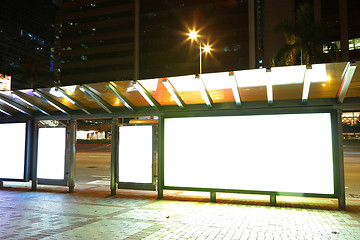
(235, 89)
(269, 87)
(346, 80)
(205, 93)
(52, 102)
(23, 97)
(4, 110)
(73, 100)
(146, 95)
(306, 85)
(101, 102)
(15, 105)
(121, 97)
(174, 94)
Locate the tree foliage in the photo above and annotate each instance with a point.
(304, 39)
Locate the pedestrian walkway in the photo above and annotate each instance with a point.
(90, 213)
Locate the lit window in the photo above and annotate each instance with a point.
(351, 44)
(357, 43)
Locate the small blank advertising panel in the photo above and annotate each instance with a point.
(135, 154)
(12, 147)
(284, 153)
(51, 153)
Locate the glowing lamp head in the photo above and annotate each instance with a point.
(207, 48)
(193, 35)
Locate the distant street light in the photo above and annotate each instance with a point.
(193, 35)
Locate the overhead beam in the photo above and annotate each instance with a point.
(101, 102)
(61, 107)
(174, 94)
(306, 85)
(121, 97)
(26, 99)
(73, 100)
(204, 92)
(148, 97)
(15, 105)
(346, 80)
(4, 111)
(235, 89)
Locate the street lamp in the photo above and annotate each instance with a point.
(193, 35)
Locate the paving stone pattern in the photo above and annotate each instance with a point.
(52, 213)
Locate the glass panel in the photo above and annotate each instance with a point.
(354, 88)
(325, 85)
(127, 89)
(135, 154)
(17, 100)
(188, 87)
(291, 91)
(157, 89)
(58, 96)
(220, 86)
(264, 152)
(51, 153)
(253, 93)
(102, 91)
(12, 147)
(39, 101)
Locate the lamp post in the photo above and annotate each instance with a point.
(207, 48)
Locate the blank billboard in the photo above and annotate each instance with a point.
(284, 153)
(135, 154)
(51, 153)
(12, 147)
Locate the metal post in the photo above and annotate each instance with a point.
(160, 180)
(114, 155)
(1, 184)
(72, 152)
(272, 199)
(213, 197)
(32, 136)
(200, 57)
(340, 165)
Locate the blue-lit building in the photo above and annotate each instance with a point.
(26, 27)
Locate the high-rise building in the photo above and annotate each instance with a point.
(26, 27)
(97, 40)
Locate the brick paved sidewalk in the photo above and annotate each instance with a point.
(52, 213)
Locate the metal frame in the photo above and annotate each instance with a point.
(346, 80)
(53, 102)
(73, 100)
(338, 170)
(205, 93)
(146, 95)
(48, 181)
(174, 94)
(140, 186)
(101, 102)
(122, 98)
(15, 105)
(25, 98)
(27, 155)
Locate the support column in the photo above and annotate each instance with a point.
(72, 152)
(273, 200)
(213, 197)
(31, 158)
(114, 155)
(340, 165)
(1, 184)
(160, 178)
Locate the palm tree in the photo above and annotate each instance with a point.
(304, 39)
(34, 72)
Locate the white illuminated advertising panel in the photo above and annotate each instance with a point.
(135, 154)
(12, 148)
(51, 153)
(284, 153)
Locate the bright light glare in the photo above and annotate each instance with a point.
(135, 154)
(12, 147)
(51, 153)
(285, 153)
(193, 34)
(207, 48)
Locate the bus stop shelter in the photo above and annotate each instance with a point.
(275, 131)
